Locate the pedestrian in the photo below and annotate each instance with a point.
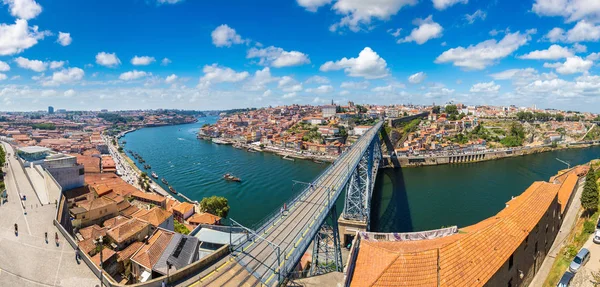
(77, 255)
(46, 236)
(284, 207)
(56, 238)
(281, 211)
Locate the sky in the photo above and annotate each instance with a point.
(204, 55)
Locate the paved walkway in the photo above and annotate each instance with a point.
(568, 224)
(27, 259)
(583, 277)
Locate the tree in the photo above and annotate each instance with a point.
(180, 228)
(435, 109)
(451, 110)
(216, 205)
(589, 197)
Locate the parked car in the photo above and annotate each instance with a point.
(580, 259)
(565, 280)
(597, 237)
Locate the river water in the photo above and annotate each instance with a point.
(409, 199)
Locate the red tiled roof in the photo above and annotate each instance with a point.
(469, 258)
(149, 254)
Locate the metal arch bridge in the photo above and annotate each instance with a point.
(268, 254)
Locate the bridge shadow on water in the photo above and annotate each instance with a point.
(390, 211)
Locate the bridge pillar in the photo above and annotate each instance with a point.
(327, 253)
(359, 191)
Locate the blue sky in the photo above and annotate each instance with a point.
(195, 54)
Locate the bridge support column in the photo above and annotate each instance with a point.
(327, 253)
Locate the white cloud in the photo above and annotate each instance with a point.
(64, 38)
(368, 65)
(49, 93)
(318, 80)
(289, 84)
(593, 57)
(572, 65)
(359, 13)
(417, 78)
(34, 65)
(277, 57)
(171, 79)
(324, 89)
(16, 38)
(344, 93)
(267, 93)
(260, 80)
(165, 62)
(571, 10)
(168, 1)
(471, 18)
(107, 59)
(382, 89)
(488, 88)
(554, 52)
(583, 31)
(65, 76)
(3, 77)
(23, 9)
(312, 5)
(69, 93)
(485, 53)
(395, 33)
(427, 30)
(289, 95)
(142, 60)
(214, 74)
(56, 64)
(225, 36)
(132, 75)
(578, 48)
(4, 67)
(443, 4)
(355, 85)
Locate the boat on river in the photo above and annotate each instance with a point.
(230, 177)
(154, 175)
(172, 190)
(164, 181)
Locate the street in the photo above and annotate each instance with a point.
(583, 277)
(27, 259)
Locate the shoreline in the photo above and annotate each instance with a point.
(449, 159)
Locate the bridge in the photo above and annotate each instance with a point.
(268, 254)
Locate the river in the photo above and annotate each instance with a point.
(408, 199)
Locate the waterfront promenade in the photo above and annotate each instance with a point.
(280, 242)
(27, 259)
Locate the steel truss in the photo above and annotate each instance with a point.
(360, 186)
(327, 254)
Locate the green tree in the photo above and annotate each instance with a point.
(216, 205)
(589, 196)
(435, 109)
(180, 228)
(451, 110)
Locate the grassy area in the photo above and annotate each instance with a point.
(580, 234)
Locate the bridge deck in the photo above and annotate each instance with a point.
(292, 232)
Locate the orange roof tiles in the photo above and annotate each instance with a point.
(566, 189)
(113, 181)
(149, 254)
(107, 253)
(204, 218)
(93, 232)
(126, 253)
(469, 258)
(126, 229)
(155, 216)
(110, 223)
(183, 207)
(153, 197)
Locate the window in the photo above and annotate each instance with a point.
(526, 241)
(553, 213)
(510, 261)
(546, 228)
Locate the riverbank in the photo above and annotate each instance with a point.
(289, 154)
(429, 160)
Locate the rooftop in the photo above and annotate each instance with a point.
(126, 229)
(469, 258)
(149, 254)
(155, 216)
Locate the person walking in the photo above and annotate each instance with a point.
(46, 236)
(56, 238)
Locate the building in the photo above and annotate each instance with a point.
(65, 170)
(183, 211)
(361, 130)
(31, 154)
(145, 258)
(157, 217)
(504, 250)
(328, 111)
(204, 218)
(128, 232)
(51, 110)
(93, 211)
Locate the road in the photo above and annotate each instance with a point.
(27, 259)
(583, 277)
(291, 231)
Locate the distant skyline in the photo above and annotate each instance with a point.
(209, 55)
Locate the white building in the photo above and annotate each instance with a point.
(328, 111)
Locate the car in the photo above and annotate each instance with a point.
(597, 236)
(565, 280)
(580, 259)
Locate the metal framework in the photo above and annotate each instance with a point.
(360, 187)
(327, 254)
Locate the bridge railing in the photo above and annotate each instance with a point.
(268, 220)
(306, 237)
